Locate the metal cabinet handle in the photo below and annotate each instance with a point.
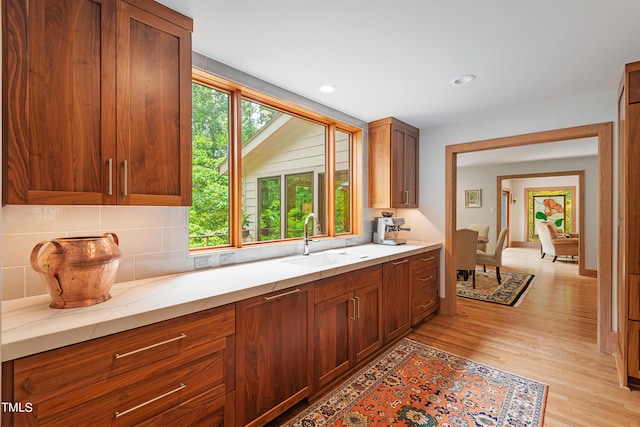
(110, 166)
(426, 279)
(125, 183)
(118, 414)
(400, 262)
(295, 291)
(406, 197)
(357, 307)
(179, 337)
(428, 304)
(353, 300)
(427, 259)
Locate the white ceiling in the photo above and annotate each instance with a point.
(398, 58)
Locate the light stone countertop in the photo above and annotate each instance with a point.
(29, 326)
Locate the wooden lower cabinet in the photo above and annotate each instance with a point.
(425, 285)
(273, 354)
(348, 323)
(396, 295)
(242, 364)
(179, 369)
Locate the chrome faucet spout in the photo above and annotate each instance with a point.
(305, 247)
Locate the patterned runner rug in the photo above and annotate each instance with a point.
(510, 292)
(415, 385)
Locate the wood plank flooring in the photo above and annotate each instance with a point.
(550, 337)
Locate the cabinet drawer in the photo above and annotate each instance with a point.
(45, 375)
(133, 397)
(424, 303)
(341, 284)
(634, 296)
(424, 277)
(426, 259)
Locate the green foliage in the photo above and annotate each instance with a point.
(209, 212)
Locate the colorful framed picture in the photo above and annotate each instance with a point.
(473, 198)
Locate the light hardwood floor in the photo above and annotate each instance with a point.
(549, 337)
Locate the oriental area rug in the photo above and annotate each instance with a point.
(416, 385)
(510, 292)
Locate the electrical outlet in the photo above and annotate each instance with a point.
(226, 259)
(202, 262)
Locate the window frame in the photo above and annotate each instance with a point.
(239, 92)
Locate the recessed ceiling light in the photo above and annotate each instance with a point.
(327, 88)
(463, 80)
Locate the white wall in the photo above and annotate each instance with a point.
(429, 223)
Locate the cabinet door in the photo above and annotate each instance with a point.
(411, 159)
(633, 197)
(396, 302)
(273, 348)
(154, 108)
(404, 167)
(367, 330)
(398, 174)
(59, 101)
(333, 329)
(633, 367)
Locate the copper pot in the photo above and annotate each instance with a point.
(78, 271)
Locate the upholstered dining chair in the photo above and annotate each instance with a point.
(466, 241)
(483, 231)
(494, 259)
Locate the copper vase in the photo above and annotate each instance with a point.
(78, 271)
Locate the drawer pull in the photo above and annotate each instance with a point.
(427, 259)
(426, 279)
(428, 304)
(175, 390)
(295, 291)
(179, 337)
(353, 316)
(400, 262)
(357, 305)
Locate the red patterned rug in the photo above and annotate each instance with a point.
(415, 385)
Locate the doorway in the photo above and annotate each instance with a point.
(505, 215)
(604, 133)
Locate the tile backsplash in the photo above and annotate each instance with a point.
(153, 241)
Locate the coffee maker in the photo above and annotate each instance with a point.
(387, 229)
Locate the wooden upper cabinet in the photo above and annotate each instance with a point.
(89, 86)
(393, 164)
(154, 108)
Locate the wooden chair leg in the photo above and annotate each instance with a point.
(555, 258)
(498, 275)
(473, 280)
(543, 254)
(484, 268)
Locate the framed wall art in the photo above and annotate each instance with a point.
(473, 198)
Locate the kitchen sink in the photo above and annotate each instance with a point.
(322, 259)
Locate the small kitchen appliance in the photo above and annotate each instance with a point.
(387, 229)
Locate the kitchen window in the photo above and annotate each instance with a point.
(260, 166)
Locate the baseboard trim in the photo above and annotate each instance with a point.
(516, 244)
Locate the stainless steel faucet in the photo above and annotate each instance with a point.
(305, 247)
